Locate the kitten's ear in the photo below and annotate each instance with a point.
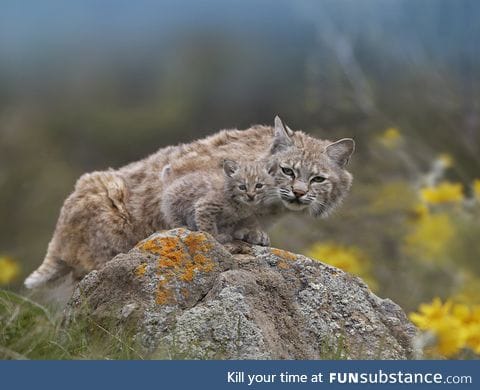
(229, 167)
(282, 137)
(272, 167)
(341, 151)
(166, 172)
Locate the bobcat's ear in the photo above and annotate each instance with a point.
(289, 130)
(229, 167)
(282, 137)
(341, 151)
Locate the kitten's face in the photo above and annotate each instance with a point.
(252, 184)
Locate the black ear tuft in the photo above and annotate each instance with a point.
(281, 138)
(341, 151)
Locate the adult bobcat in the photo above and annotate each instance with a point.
(110, 211)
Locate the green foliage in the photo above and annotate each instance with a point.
(31, 331)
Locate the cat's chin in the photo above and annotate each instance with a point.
(294, 206)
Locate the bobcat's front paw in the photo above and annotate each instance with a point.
(255, 237)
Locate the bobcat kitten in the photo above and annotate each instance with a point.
(219, 203)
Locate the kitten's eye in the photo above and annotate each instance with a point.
(318, 179)
(242, 187)
(258, 185)
(288, 171)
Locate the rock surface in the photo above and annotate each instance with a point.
(186, 296)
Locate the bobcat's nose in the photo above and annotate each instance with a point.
(299, 188)
(298, 192)
(251, 196)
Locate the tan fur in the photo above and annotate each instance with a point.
(110, 211)
(94, 225)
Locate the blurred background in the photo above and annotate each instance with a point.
(88, 85)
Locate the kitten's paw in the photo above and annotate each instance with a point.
(261, 238)
(255, 237)
(239, 247)
(223, 238)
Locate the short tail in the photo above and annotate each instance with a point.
(50, 270)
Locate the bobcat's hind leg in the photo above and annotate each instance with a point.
(51, 269)
(92, 228)
(101, 220)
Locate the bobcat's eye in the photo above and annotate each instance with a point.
(318, 179)
(242, 187)
(258, 185)
(288, 171)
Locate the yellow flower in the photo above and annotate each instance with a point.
(461, 311)
(445, 192)
(391, 138)
(455, 326)
(470, 317)
(430, 313)
(473, 340)
(476, 188)
(349, 259)
(9, 270)
(430, 236)
(437, 318)
(451, 336)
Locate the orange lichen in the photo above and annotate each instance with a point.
(283, 254)
(169, 249)
(141, 269)
(283, 265)
(178, 260)
(203, 261)
(189, 272)
(200, 263)
(159, 246)
(172, 258)
(163, 294)
(197, 242)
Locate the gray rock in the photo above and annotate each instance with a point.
(185, 296)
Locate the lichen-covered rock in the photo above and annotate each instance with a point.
(186, 296)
